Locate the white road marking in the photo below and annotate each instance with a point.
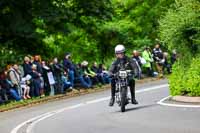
(161, 102)
(137, 91)
(33, 121)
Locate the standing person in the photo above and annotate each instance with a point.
(38, 62)
(36, 80)
(45, 84)
(69, 68)
(166, 63)
(27, 66)
(158, 58)
(146, 54)
(137, 59)
(122, 59)
(173, 57)
(57, 73)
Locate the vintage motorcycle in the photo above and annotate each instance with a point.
(121, 83)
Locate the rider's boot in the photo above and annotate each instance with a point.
(112, 101)
(132, 90)
(134, 101)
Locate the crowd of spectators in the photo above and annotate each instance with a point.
(153, 63)
(37, 78)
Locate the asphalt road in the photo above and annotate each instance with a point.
(91, 114)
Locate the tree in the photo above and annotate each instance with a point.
(180, 29)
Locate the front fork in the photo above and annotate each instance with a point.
(118, 93)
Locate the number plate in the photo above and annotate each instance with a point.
(123, 74)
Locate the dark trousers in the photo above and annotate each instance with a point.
(37, 87)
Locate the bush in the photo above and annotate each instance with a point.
(185, 80)
(177, 79)
(192, 83)
(180, 29)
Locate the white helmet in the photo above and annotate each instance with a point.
(119, 49)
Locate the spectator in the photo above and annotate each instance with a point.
(27, 66)
(69, 68)
(100, 76)
(45, 85)
(166, 64)
(137, 57)
(25, 82)
(146, 54)
(173, 57)
(37, 62)
(3, 92)
(89, 73)
(158, 58)
(8, 87)
(84, 80)
(157, 52)
(66, 84)
(14, 75)
(57, 73)
(102, 70)
(138, 62)
(36, 80)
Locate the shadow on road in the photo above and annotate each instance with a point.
(138, 107)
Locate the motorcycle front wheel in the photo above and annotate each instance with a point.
(123, 99)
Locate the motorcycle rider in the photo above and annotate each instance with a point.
(122, 59)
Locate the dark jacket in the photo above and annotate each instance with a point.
(94, 69)
(125, 62)
(68, 65)
(173, 58)
(35, 75)
(27, 69)
(157, 54)
(57, 70)
(39, 66)
(137, 58)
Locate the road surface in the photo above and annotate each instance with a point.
(91, 114)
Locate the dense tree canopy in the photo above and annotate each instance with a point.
(89, 29)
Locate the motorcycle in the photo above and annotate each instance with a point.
(121, 86)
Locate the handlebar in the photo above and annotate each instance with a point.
(129, 73)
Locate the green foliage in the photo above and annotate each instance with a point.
(177, 79)
(185, 79)
(192, 83)
(180, 29)
(88, 29)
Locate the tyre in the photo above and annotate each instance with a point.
(123, 99)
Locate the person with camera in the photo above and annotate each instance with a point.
(122, 59)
